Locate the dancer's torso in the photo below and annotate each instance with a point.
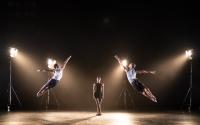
(131, 75)
(98, 88)
(58, 73)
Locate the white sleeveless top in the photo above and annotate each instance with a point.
(58, 73)
(131, 75)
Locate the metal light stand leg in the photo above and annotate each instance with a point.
(57, 102)
(48, 94)
(125, 97)
(12, 89)
(130, 97)
(189, 92)
(190, 105)
(48, 100)
(125, 93)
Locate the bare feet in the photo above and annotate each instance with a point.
(40, 93)
(98, 114)
(147, 93)
(153, 99)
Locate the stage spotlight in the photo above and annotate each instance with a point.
(124, 62)
(188, 54)
(13, 52)
(51, 63)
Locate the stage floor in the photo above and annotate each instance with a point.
(89, 118)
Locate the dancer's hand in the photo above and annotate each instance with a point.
(41, 70)
(116, 57)
(153, 72)
(68, 59)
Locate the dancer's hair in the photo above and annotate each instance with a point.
(56, 66)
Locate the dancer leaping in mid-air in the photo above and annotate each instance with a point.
(131, 75)
(57, 75)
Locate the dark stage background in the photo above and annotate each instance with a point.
(147, 33)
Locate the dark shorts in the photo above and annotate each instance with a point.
(138, 85)
(98, 95)
(52, 83)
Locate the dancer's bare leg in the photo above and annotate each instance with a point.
(42, 90)
(97, 103)
(147, 93)
(100, 100)
(150, 94)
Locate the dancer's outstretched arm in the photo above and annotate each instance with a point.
(45, 70)
(145, 72)
(66, 61)
(93, 90)
(120, 62)
(103, 91)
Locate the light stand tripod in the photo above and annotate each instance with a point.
(49, 93)
(189, 92)
(124, 95)
(11, 89)
(47, 102)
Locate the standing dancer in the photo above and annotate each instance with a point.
(57, 75)
(135, 83)
(98, 94)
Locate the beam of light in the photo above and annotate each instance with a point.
(13, 52)
(115, 76)
(188, 54)
(115, 80)
(71, 87)
(51, 63)
(26, 66)
(168, 70)
(172, 66)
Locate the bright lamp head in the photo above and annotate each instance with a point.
(188, 54)
(124, 63)
(51, 63)
(13, 52)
